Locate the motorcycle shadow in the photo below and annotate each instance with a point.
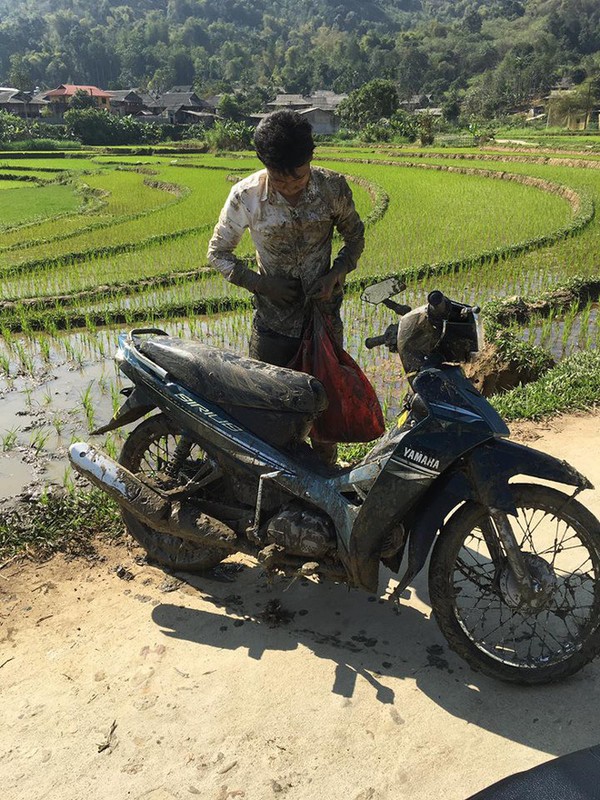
(368, 639)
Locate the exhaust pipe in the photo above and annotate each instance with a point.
(183, 520)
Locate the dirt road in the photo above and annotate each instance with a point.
(158, 689)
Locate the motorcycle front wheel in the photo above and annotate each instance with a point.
(480, 608)
(149, 452)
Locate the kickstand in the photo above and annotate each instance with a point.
(309, 568)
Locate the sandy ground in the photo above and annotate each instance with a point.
(156, 688)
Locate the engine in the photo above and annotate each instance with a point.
(302, 531)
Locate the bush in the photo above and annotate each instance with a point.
(229, 135)
(11, 127)
(42, 144)
(95, 127)
(195, 131)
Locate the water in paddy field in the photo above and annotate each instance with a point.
(61, 387)
(568, 334)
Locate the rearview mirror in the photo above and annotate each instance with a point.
(378, 292)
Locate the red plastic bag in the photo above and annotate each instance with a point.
(354, 413)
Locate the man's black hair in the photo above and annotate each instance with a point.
(284, 141)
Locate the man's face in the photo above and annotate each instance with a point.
(290, 186)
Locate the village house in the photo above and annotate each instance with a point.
(296, 102)
(320, 108)
(22, 104)
(568, 109)
(185, 107)
(127, 102)
(59, 99)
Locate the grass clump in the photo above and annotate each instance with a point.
(572, 385)
(58, 522)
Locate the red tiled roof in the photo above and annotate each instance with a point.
(69, 89)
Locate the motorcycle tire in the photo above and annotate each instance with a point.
(147, 451)
(477, 602)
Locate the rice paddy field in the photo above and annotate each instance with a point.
(92, 244)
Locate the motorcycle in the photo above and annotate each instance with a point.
(224, 468)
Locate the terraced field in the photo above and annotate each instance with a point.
(91, 244)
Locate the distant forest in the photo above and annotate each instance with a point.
(490, 54)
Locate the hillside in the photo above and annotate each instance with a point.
(498, 51)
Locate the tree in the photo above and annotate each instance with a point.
(377, 99)
(229, 107)
(413, 66)
(82, 99)
(20, 73)
(99, 127)
(451, 107)
(11, 127)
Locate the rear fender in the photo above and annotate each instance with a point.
(483, 477)
(137, 404)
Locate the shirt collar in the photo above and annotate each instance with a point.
(310, 193)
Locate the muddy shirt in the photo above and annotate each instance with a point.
(290, 241)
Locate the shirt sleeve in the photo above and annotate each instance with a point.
(233, 221)
(351, 229)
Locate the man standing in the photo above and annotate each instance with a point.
(291, 210)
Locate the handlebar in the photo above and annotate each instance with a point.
(374, 341)
(441, 308)
(388, 338)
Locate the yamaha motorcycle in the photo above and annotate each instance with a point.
(224, 468)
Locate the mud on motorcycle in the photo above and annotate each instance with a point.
(224, 467)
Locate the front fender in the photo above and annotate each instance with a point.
(482, 476)
(491, 466)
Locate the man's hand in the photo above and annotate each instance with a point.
(324, 288)
(282, 291)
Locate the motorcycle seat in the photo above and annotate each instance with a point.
(575, 776)
(276, 403)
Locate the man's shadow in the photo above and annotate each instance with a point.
(370, 639)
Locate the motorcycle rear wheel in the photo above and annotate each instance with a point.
(148, 451)
(477, 603)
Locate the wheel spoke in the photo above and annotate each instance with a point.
(148, 452)
(564, 561)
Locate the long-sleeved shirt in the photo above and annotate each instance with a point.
(290, 241)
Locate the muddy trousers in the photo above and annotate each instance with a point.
(275, 348)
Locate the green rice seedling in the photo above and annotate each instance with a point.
(68, 348)
(78, 357)
(583, 321)
(28, 392)
(50, 326)
(38, 439)
(25, 359)
(88, 405)
(68, 481)
(7, 335)
(110, 447)
(568, 322)
(9, 439)
(58, 424)
(5, 364)
(44, 345)
(115, 397)
(547, 328)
